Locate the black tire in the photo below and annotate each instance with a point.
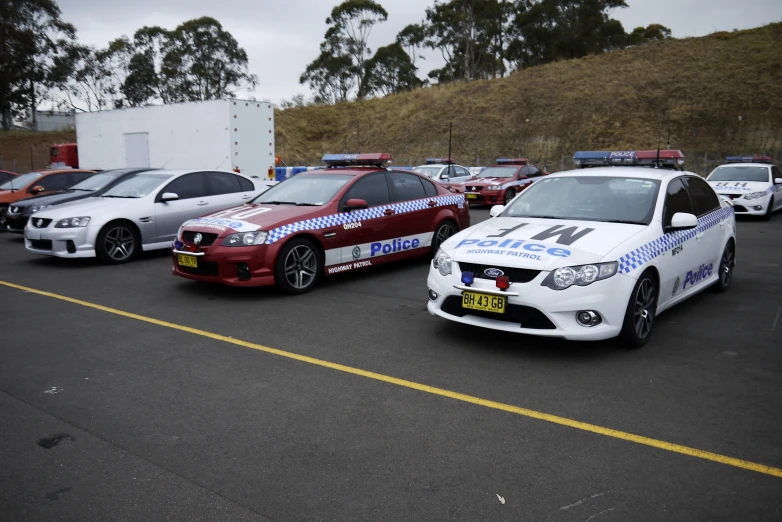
(443, 231)
(769, 210)
(118, 242)
(508, 197)
(640, 313)
(727, 263)
(299, 266)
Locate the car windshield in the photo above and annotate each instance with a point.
(304, 189)
(740, 174)
(136, 187)
(588, 198)
(97, 181)
(498, 172)
(20, 181)
(429, 172)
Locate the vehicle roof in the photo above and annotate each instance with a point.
(629, 171)
(351, 171)
(748, 164)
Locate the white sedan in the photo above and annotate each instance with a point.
(752, 183)
(590, 254)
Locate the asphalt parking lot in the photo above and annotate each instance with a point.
(148, 397)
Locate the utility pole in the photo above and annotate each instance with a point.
(450, 133)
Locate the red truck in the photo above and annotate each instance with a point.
(64, 155)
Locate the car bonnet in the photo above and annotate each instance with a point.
(251, 217)
(543, 244)
(739, 187)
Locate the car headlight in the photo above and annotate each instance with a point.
(36, 209)
(245, 239)
(494, 187)
(442, 262)
(73, 222)
(755, 195)
(581, 275)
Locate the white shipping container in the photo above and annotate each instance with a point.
(217, 134)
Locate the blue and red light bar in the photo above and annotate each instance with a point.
(748, 159)
(628, 157)
(432, 161)
(512, 161)
(344, 160)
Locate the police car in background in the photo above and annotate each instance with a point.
(443, 170)
(590, 254)
(752, 183)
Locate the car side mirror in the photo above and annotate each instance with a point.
(169, 196)
(445, 176)
(682, 221)
(778, 181)
(355, 204)
(36, 189)
(496, 210)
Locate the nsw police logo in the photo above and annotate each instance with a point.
(493, 272)
(356, 252)
(676, 286)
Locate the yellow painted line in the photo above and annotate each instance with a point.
(608, 432)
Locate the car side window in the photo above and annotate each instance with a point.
(246, 184)
(4, 177)
(221, 183)
(429, 188)
(406, 186)
(188, 186)
(533, 172)
(372, 188)
(450, 172)
(775, 173)
(78, 177)
(704, 199)
(461, 171)
(676, 200)
(54, 182)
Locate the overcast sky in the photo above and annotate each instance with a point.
(282, 37)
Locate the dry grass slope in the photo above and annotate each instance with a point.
(715, 95)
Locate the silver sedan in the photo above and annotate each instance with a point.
(141, 213)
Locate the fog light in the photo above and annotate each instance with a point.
(588, 318)
(758, 207)
(70, 246)
(243, 271)
(432, 295)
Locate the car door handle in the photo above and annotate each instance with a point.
(202, 203)
(432, 203)
(698, 236)
(388, 211)
(246, 196)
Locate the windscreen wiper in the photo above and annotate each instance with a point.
(621, 221)
(279, 202)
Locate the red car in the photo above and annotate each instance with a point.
(499, 184)
(353, 214)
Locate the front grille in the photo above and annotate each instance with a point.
(41, 244)
(16, 222)
(516, 275)
(206, 239)
(205, 268)
(474, 189)
(526, 316)
(41, 222)
(739, 208)
(733, 196)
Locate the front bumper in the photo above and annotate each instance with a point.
(538, 310)
(485, 197)
(61, 242)
(751, 207)
(233, 266)
(16, 223)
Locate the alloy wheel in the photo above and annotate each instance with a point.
(726, 264)
(443, 233)
(120, 243)
(301, 266)
(644, 312)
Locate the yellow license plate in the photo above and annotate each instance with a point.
(483, 302)
(472, 196)
(184, 260)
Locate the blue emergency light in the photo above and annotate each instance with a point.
(511, 161)
(748, 159)
(344, 160)
(468, 278)
(432, 161)
(591, 158)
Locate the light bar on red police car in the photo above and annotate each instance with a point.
(512, 161)
(748, 159)
(628, 157)
(372, 159)
(432, 161)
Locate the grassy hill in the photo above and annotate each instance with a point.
(715, 95)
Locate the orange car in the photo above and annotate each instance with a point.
(38, 183)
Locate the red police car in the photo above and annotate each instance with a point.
(353, 214)
(499, 184)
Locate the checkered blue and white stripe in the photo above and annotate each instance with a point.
(642, 255)
(360, 215)
(514, 183)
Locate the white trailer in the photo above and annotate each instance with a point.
(230, 135)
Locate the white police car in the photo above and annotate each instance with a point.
(752, 183)
(589, 254)
(443, 170)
